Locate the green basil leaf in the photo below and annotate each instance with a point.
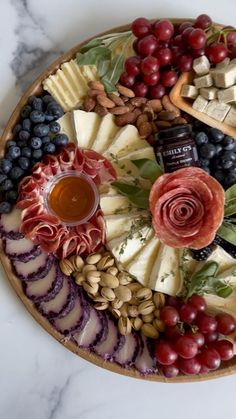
(148, 169)
(228, 232)
(199, 279)
(230, 207)
(230, 193)
(136, 195)
(109, 86)
(91, 44)
(222, 289)
(103, 66)
(94, 55)
(125, 188)
(115, 69)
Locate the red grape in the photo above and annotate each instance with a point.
(216, 52)
(226, 323)
(204, 370)
(147, 45)
(232, 52)
(169, 315)
(140, 89)
(210, 358)
(211, 337)
(132, 65)
(187, 313)
(203, 21)
(173, 332)
(149, 65)
(185, 25)
(127, 80)
(185, 63)
(151, 79)
(169, 78)
(173, 301)
(135, 45)
(197, 39)
(197, 336)
(189, 366)
(170, 371)
(225, 349)
(178, 40)
(163, 30)
(198, 302)
(164, 353)
(206, 323)
(141, 27)
(158, 91)
(186, 33)
(231, 38)
(186, 347)
(164, 56)
(198, 52)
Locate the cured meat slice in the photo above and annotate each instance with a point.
(94, 331)
(34, 269)
(46, 288)
(113, 342)
(10, 224)
(129, 351)
(21, 249)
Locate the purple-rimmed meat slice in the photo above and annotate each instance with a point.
(10, 224)
(113, 342)
(94, 331)
(145, 362)
(47, 288)
(129, 351)
(34, 269)
(76, 319)
(21, 249)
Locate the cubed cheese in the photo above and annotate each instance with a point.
(189, 91)
(224, 77)
(217, 110)
(200, 104)
(201, 65)
(227, 95)
(203, 81)
(230, 118)
(224, 63)
(209, 93)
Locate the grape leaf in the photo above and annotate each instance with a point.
(227, 231)
(136, 195)
(148, 169)
(230, 201)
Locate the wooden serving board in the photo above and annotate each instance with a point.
(36, 89)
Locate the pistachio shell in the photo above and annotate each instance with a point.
(79, 278)
(106, 262)
(124, 278)
(157, 313)
(108, 293)
(77, 263)
(112, 270)
(149, 330)
(159, 299)
(109, 280)
(124, 310)
(101, 306)
(123, 293)
(116, 303)
(148, 318)
(143, 294)
(133, 311)
(93, 259)
(93, 277)
(100, 299)
(90, 288)
(146, 307)
(137, 323)
(116, 313)
(134, 287)
(124, 326)
(159, 325)
(88, 268)
(66, 267)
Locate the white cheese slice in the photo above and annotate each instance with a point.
(187, 265)
(124, 166)
(165, 276)
(125, 249)
(106, 133)
(229, 275)
(226, 305)
(89, 72)
(118, 224)
(220, 256)
(67, 126)
(126, 141)
(141, 265)
(113, 204)
(86, 125)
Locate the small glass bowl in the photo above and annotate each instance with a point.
(71, 173)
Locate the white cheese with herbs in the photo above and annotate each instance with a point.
(67, 126)
(124, 165)
(105, 134)
(120, 223)
(126, 141)
(114, 204)
(86, 125)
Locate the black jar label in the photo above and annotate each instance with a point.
(172, 157)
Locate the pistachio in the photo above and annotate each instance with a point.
(108, 293)
(124, 310)
(148, 318)
(109, 280)
(159, 299)
(134, 301)
(137, 323)
(105, 262)
(93, 259)
(88, 268)
(146, 307)
(79, 278)
(133, 311)
(157, 313)
(101, 306)
(93, 277)
(159, 325)
(99, 299)
(123, 293)
(143, 294)
(78, 263)
(124, 278)
(149, 330)
(116, 313)
(112, 270)
(117, 304)
(124, 326)
(91, 288)
(66, 267)
(134, 287)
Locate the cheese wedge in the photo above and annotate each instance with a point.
(226, 305)
(119, 224)
(67, 127)
(165, 276)
(86, 125)
(114, 204)
(126, 141)
(141, 265)
(220, 256)
(106, 133)
(124, 166)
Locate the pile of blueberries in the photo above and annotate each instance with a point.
(217, 153)
(36, 135)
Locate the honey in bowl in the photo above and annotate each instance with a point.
(72, 197)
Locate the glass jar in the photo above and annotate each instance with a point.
(175, 148)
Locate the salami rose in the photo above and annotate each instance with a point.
(187, 208)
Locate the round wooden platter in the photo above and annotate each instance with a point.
(36, 89)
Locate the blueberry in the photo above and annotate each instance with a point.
(26, 152)
(217, 164)
(218, 149)
(35, 143)
(23, 135)
(207, 151)
(13, 152)
(216, 135)
(16, 173)
(26, 124)
(6, 185)
(204, 162)
(11, 196)
(16, 129)
(226, 164)
(25, 111)
(31, 99)
(219, 175)
(60, 140)
(24, 163)
(5, 207)
(37, 154)
(37, 117)
(49, 117)
(55, 109)
(5, 166)
(230, 178)
(228, 143)
(37, 104)
(21, 143)
(41, 130)
(46, 140)
(201, 138)
(54, 127)
(47, 99)
(49, 148)
(228, 155)
(206, 169)
(2, 178)
(10, 143)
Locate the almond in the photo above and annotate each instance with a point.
(89, 104)
(169, 106)
(105, 101)
(125, 91)
(116, 99)
(149, 112)
(131, 107)
(119, 110)
(163, 124)
(151, 140)
(145, 129)
(141, 119)
(155, 104)
(138, 101)
(125, 98)
(166, 116)
(100, 110)
(95, 85)
(127, 118)
(179, 121)
(95, 92)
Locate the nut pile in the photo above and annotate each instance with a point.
(135, 306)
(149, 116)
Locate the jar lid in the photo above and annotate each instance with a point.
(177, 131)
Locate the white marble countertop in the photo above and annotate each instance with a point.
(40, 379)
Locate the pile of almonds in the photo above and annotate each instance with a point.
(149, 116)
(111, 289)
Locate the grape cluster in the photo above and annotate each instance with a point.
(217, 153)
(36, 134)
(190, 343)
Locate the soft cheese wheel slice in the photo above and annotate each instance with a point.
(126, 141)
(141, 265)
(225, 305)
(67, 126)
(119, 224)
(220, 256)
(86, 125)
(165, 276)
(106, 133)
(124, 165)
(114, 204)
